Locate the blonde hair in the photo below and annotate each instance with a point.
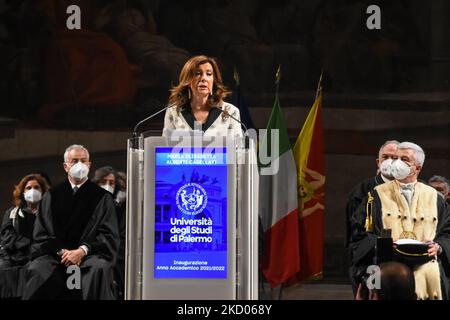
(179, 94)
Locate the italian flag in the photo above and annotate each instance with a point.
(278, 203)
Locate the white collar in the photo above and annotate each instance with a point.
(16, 211)
(407, 184)
(77, 185)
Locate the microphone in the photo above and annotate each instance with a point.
(247, 142)
(135, 133)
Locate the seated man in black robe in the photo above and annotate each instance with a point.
(386, 155)
(414, 213)
(76, 226)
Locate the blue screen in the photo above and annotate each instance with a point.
(190, 213)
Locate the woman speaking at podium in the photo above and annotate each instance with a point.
(197, 101)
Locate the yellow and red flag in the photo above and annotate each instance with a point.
(310, 161)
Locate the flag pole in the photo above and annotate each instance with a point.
(319, 84)
(277, 79)
(277, 88)
(280, 294)
(236, 77)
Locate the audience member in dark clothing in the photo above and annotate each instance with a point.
(16, 231)
(17, 228)
(442, 185)
(110, 180)
(76, 226)
(396, 282)
(386, 154)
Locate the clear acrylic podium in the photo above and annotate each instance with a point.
(192, 218)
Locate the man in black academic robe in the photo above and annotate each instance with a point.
(364, 242)
(356, 197)
(359, 193)
(76, 226)
(387, 208)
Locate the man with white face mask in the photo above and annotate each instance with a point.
(386, 155)
(77, 226)
(413, 212)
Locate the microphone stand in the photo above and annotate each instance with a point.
(135, 129)
(247, 139)
(148, 118)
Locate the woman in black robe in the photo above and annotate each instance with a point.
(115, 182)
(16, 232)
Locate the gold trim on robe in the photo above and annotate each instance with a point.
(418, 221)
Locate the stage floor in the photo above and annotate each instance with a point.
(311, 291)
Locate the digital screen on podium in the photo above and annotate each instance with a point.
(190, 212)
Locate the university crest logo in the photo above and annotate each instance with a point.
(191, 199)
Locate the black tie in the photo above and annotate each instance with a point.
(75, 189)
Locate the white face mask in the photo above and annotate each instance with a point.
(108, 188)
(400, 170)
(386, 168)
(79, 171)
(32, 195)
(121, 196)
